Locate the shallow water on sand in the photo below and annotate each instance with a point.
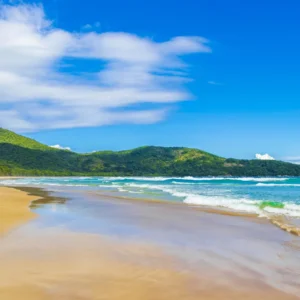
(274, 198)
(263, 196)
(82, 240)
(259, 195)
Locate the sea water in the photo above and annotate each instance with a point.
(259, 195)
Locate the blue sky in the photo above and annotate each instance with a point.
(234, 94)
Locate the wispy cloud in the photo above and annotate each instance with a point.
(37, 91)
(264, 156)
(89, 27)
(214, 83)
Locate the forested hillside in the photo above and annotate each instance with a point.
(22, 156)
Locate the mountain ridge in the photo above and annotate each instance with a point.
(20, 155)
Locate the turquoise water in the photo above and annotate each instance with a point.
(263, 196)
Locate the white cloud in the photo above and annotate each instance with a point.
(15, 120)
(41, 88)
(60, 147)
(264, 157)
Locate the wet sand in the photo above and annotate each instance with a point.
(89, 267)
(89, 247)
(283, 222)
(14, 208)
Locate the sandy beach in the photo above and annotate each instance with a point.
(14, 208)
(149, 150)
(88, 247)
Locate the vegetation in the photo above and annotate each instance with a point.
(10, 137)
(23, 156)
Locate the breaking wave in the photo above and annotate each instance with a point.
(256, 195)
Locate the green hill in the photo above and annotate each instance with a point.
(23, 156)
(10, 137)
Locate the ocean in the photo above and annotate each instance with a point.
(262, 196)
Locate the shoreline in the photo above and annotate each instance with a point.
(281, 222)
(284, 223)
(14, 208)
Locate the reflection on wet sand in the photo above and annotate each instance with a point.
(44, 197)
(72, 266)
(118, 249)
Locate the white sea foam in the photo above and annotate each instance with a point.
(236, 204)
(162, 188)
(213, 201)
(189, 178)
(187, 183)
(139, 178)
(292, 206)
(107, 186)
(258, 179)
(176, 180)
(14, 182)
(278, 184)
(283, 211)
(244, 205)
(35, 183)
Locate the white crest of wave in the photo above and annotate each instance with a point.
(244, 205)
(140, 178)
(191, 178)
(259, 179)
(184, 183)
(278, 184)
(235, 204)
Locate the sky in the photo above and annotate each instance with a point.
(222, 76)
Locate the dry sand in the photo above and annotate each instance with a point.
(14, 208)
